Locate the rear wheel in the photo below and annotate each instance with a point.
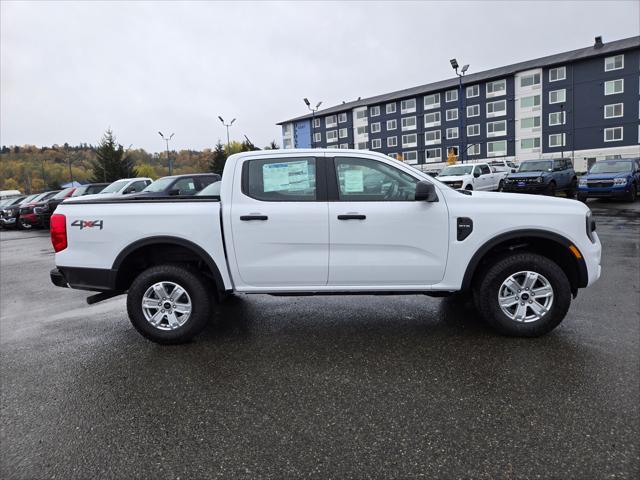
(169, 304)
(24, 225)
(523, 295)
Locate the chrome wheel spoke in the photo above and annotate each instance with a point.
(160, 291)
(537, 308)
(521, 313)
(543, 292)
(508, 301)
(182, 308)
(173, 321)
(156, 319)
(530, 280)
(512, 284)
(150, 303)
(177, 293)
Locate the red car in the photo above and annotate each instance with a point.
(28, 219)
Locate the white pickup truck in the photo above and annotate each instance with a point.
(315, 222)
(473, 176)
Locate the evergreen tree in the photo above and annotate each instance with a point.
(111, 163)
(218, 159)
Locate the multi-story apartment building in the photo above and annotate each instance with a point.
(583, 104)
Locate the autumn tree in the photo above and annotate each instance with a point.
(112, 163)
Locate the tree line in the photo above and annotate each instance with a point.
(32, 169)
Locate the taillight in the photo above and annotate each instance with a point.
(58, 225)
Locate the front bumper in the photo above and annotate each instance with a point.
(58, 279)
(605, 192)
(527, 188)
(8, 222)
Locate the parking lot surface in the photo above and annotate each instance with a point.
(324, 387)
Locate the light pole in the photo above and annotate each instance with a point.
(564, 136)
(454, 65)
(313, 117)
(227, 125)
(166, 139)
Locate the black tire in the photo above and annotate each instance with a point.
(196, 288)
(551, 189)
(571, 191)
(501, 185)
(582, 198)
(488, 288)
(22, 225)
(633, 193)
(469, 187)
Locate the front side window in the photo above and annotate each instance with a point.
(557, 96)
(273, 180)
(613, 63)
(185, 186)
(364, 180)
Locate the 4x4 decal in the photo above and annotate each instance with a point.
(87, 224)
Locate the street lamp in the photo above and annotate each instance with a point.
(455, 66)
(227, 125)
(166, 139)
(313, 117)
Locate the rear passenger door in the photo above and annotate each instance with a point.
(486, 177)
(279, 223)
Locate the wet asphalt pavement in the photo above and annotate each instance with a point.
(326, 387)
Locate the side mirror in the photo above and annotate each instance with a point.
(425, 192)
(129, 190)
(513, 170)
(476, 174)
(174, 191)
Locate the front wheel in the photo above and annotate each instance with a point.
(571, 191)
(523, 295)
(551, 189)
(469, 187)
(501, 185)
(169, 304)
(24, 225)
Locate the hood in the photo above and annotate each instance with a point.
(605, 176)
(454, 178)
(513, 200)
(532, 174)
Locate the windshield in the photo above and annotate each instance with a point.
(159, 185)
(115, 186)
(79, 191)
(621, 166)
(63, 193)
(456, 170)
(536, 166)
(211, 189)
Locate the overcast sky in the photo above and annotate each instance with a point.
(70, 70)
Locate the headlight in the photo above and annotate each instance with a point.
(539, 179)
(582, 182)
(619, 181)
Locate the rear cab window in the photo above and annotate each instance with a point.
(280, 179)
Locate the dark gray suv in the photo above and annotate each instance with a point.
(543, 176)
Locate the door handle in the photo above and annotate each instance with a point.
(246, 218)
(352, 217)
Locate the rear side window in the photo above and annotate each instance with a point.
(205, 181)
(484, 169)
(186, 186)
(274, 180)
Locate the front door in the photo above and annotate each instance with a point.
(379, 235)
(280, 229)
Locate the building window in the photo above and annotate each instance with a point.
(497, 129)
(452, 114)
(494, 89)
(342, 118)
(286, 143)
(361, 146)
(496, 109)
(530, 102)
(613, 134)
(496, 149)
(614, 63)
(392, 124)
(360, 114)
(530, 80)
(473, 130)
(557, 96)
(450, 96)
(473, 91)
(452, 133)
(330, 121)
(474, 149)
(391, 108)
(432, 138)
(317, 137)
(558, 73)
(376, 143)
(375, 127)
(432, 101)
(344, 145)
(392, 141)
(614, 86)
(408, 106)
(530, 122)
(614, 110)
(556, 118)
(473, 111)
(332, 146)
(557, 140)
(361, 130)
(410, 140)
(408, 123)
(433, 154)
(410, 157)
(432, 119)
(316, 123)
(343, 133)
(529, 143)
(374, 111)
(332, 136)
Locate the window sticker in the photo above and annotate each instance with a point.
(290, 176)
(353, 181)
(298, 174)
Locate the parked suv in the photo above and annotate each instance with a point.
(618, 178)
(118, 189)
(179, 185)
(45, 208)
(9, 209)
(543, 176)
(472, 176)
